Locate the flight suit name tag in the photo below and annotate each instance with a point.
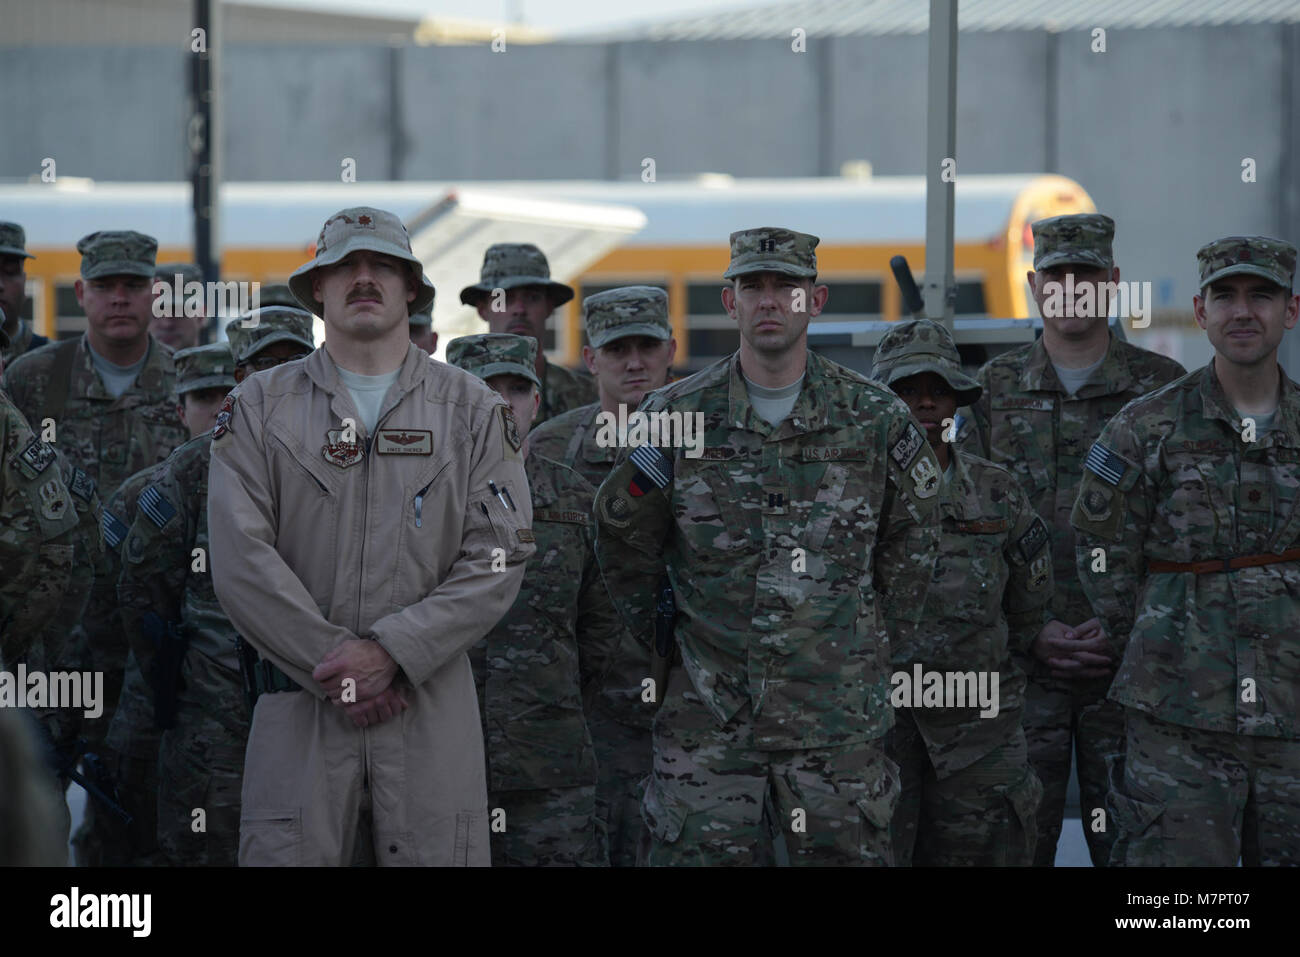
(404, 442)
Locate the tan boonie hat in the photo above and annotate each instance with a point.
(1080, 238)
(422, 318)
(626, 311)
(495, 353)
(360, 227)
(204, 367)
(772, 249)
(13, 241)
(913, 346)
(1272, 259)
(118, 252)
(510, 265)
(259, 328)
(277, 294)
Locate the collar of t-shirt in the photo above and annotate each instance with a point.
(117, 379)
(1262, 422)
(368, 393)
(773, 405)
(1075, 379)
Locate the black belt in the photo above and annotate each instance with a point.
(260, 675)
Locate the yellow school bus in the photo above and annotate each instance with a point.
(597, 235)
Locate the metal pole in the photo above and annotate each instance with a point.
(204, 138)
(940, 288)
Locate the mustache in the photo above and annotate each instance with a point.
(365, 292)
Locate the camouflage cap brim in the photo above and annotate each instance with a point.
(486, 372)
(281, 335)
(650, 329)
(117, 267)
(788, 269)
(968, 389)
(558, 291)
(215, 381)
(1245, 269)
(300, 280)
(15, 251)
(1074, 257)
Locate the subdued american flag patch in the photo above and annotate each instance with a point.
(155, 507)
(653, 464)
(114, 529)
(1105, 464)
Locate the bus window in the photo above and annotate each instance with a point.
(69, 317)
(970, 299)
(710, 332)
(856, 299)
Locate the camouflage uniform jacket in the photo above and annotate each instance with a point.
(109, 438)
(25, 341)
(1027, 423)
(562, 390)
(552, 646)
(989, 595)
(48, 558)
(1175, 482)
(788, 548)
(161, 573)
(570, 439)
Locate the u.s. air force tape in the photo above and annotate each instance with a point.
(907, 446)
(157, 508)
(1105, 464)
(653, 464)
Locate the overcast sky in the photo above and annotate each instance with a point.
(562, 16)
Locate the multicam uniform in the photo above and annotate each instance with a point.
(1027, 423)
(1210, 679)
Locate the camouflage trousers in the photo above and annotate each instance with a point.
(1067, 720)
(982, 815)
(130, 754)
(545, 827)
(623, 757)
(1184, 797)
(201, 768)
(714, 799)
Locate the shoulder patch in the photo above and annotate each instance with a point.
(82, 486)
(1105, 464)
(510, 428)
(223, 416)
(34, 459)
(115, 530)
(905, 448)
(925, 478)
(154, 505)
(1032, 542)
(653, 464)
(525, 535)
(53, 504)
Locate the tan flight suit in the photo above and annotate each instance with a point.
(317, 539)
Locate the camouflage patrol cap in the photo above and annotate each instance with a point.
(495, 353)
(510, 265)
(626, 311)
(353, 229)
(189, 272)
(277, 294)
(13, 241)
(1080, 238)
(117, 252)
(422, 318)
(914, 346)
(1272, 259)
(255, 330)
(204, 367)
(772, 249)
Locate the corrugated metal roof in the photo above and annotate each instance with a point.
(834, 18)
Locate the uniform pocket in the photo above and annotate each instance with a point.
(664, 814)
(1023, 799)
(270, 838)
(877, 808)
(1139, 822)
(468, 850)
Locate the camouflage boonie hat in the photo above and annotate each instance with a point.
(117, 252)
(494, 353)
(771, 249)
(914, 346)
(13, 241)
(1080, 238)
(204, 367)
(360, 227)
(510, 265)
(626, 311)
(189, 272)
(277, 294)
(1272, 259)
(422, 318)
(259, 328)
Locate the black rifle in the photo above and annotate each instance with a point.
(96, 782)
(661, 655)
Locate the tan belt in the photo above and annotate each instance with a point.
(1225, 564)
